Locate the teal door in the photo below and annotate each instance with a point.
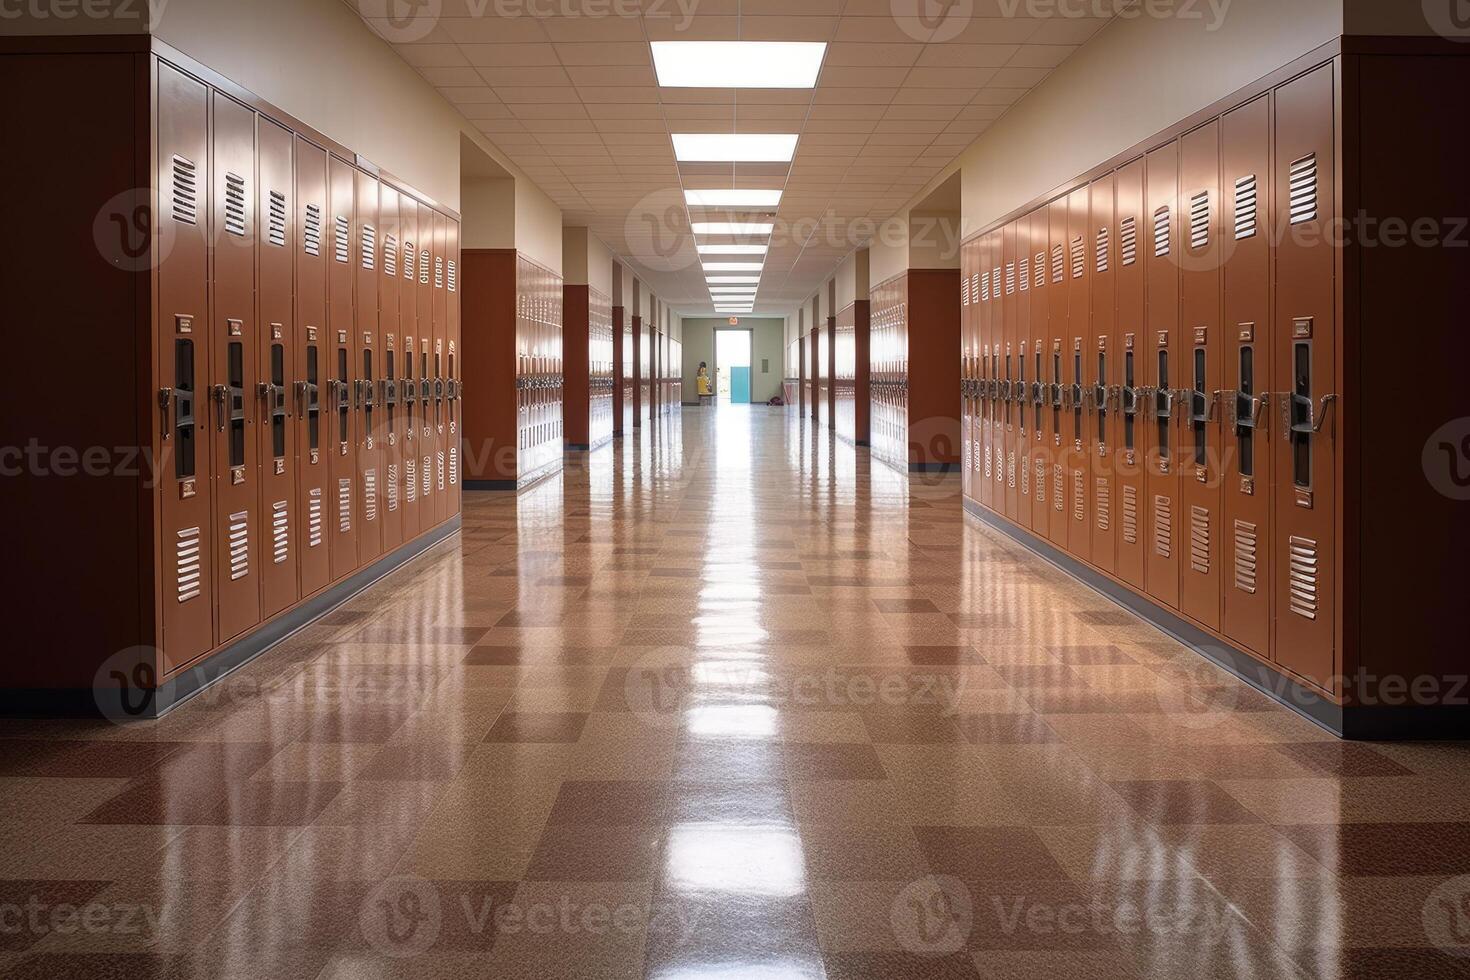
(740, 386)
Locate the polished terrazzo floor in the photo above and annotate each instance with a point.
(728, 701)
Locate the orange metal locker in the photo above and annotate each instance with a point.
(1021, 392)
(314, 393)
(1009, 338)
(364, 387)
(1077, 437)
(1060, 425)
(1202, 251)
(440, 362)
(390, 369)
(408, 370)
(184, 364)
(1132, 403)
(1044, 439)
(1304, 334)
(966, 326)
(343, 438)
(453, 368)
(234, 344)
(995, 454)
(1161, 346)
(276, 353)
(1099, 356)
(1246, 345)
(428, 440)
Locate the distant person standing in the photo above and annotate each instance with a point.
(702, 378)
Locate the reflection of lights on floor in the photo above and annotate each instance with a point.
(732, 720)
(755, 970)
(743, 860)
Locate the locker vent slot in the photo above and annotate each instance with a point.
(975, 286)
(1079, 496)
(1304, 189)
(995, 283)
(1025, 270)
(1079, 257)
(311, 237)
(985, 288)
(276, 231)
(280, 533)
(339, 245)
(408, 260)
(438, 272)
(1041, 482)
(1199, 220)
(234, 205)
(1161, 232)
(1104, 245)
(1245, 557)
(314, 518)
(423, 267)
(1058, 263)
(453, 466)
(453, 276)
(185, 191)
(392, 487)
(1025, 479)
(1245, 207)
(239, 545)
(1130, 515)
(187, 568)
(1010, 278)
(1303, 575)
(965, 292)
(1059, 495)
(1040, 274)
(411, 478)
(370, 495)
(369, 247)
(390, 255)
(1104, 505)
(441, 471)
(987, 462)
(1199, 540)
(427, 476)
(1163, 526)
(344, 505)
(1128, 236)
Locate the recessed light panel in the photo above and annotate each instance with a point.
(732, 249)
(732, 267)
(732, 198)
(732, 228)
(734, 147)
(738, 64)
(731, 280)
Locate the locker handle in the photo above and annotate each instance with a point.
(220, 412)
(1214, 412)
(165, 404)
(1100, 397)
(1320, 416)
(1131, 397)
(1038, 393)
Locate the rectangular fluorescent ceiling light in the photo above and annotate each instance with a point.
(746, 290)
(732, 267)
(734, 147)
(738, 64)
(733, 198)
(731, 280)
(732, 249)
(731, 228)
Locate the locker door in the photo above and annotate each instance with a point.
(1025, 430)
(966, 326)
(1009, 338)
(408, 324)
(1305, 368)
(635, 370)
(234, 345)
(1246, 348)
(186, 547)
(276, 355)
(441, 367)
(341, 370)
(1099, 353)
(390, 370)
(424, 316)
(452, 366)
(1078, 436)
(1129, 302)
(995, 465)
(628, 378)
(314, 413)
(979, 397)
(1042, 296)
(1162, 371)
(1059, 421)
(370, 437)
(1203, 249)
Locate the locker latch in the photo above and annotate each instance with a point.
(274, 397)
(1299, 416)
(1249, 409)
(165, 403)
(1131, 397)
(1100, 397)
(389, 393)
(229, 405)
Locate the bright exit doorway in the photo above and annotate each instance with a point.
(732, 365)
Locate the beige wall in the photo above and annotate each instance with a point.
(934, 239)
(538, 225)
(488, 213)
(852, 279)
(888, 258)
(768, 343)
(586, 261)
